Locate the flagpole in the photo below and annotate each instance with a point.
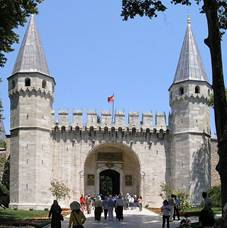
(113, 111)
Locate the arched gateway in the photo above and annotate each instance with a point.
(112, 169)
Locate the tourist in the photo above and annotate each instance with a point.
(140, 203)
(171, 205)
(166, 209)
(77, 217)
(206, 217)
(119, 208)
(88, 203)
(110, 208)
(131, 202)
(126, 199)
(82, 202)
(207, 202)
(55, 214)
(176, 208)
(186, 222)
(105, 206)
(98, 208)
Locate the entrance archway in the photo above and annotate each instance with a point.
(109, 182)
(115, 164)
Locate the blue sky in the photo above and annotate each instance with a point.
(92, 53)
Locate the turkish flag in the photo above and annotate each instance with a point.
(111, 99)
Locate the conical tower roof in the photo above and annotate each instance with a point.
(190, 66)
(31, 57)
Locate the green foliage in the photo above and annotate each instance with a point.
(150, 8)
(167, 190)
(59, 190)
(184, 202)
(3, 144)
(11, 214)
(3, 190)
(5, 176)
(211, 99)
(214, 194)
(12, 15)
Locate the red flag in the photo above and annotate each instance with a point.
(111, 99)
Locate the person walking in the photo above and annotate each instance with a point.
(165, 213)
(110, 208)
(140, 203)
(171, 205)
(119, 207)
(77, 218)
(206, 217)
(98, 208)
(176, 208)
(55, 214)
(105, 206)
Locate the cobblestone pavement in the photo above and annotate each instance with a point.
(132, 219)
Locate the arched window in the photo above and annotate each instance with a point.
(27, 82)
(44, 84)
(208, 91)
(181, 91)
(13, 84)
(197, 89)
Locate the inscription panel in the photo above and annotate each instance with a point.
(109, 156)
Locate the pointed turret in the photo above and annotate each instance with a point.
(190, 66)
(31, 57)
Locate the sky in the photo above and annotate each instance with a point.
(92, 53)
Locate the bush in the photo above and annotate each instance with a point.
(184, 202)
(3, 190)
(167, 190)
(214, 194)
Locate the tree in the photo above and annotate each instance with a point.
(59, 190)
(216, 15)
(211, 99)
(12, 15)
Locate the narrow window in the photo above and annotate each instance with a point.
(13, 85)
(197, 89)
(27, 82)
(44, 84)
(181, 91)
(208, 92)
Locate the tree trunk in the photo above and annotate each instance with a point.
(220, 105)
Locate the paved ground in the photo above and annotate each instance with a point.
(132, 219)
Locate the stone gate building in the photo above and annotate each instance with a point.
(132, 154)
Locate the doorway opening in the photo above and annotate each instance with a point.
(109, 183)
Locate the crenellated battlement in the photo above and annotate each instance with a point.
(104, 120)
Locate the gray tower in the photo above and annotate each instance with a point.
(31, 96)
(190, 122)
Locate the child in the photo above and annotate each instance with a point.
(165, 213)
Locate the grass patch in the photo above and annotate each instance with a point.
(10, 214)
(216, 210)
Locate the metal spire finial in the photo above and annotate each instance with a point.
(189, 21)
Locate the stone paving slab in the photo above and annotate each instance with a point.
(132, 219)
